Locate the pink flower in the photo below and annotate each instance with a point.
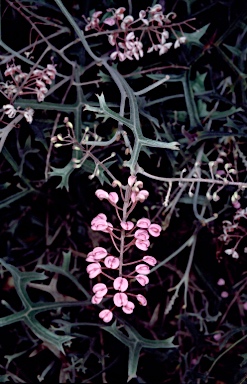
(127, 21)
(111, 262)
(93, 270)
(142, 279)
(96, 300)
(141, 234)
(99, 225)
(142, 269)
(109, 21)
(120, 284)
(128, 307)
(101, 194)
(99, 253)
(217, 336)
(154, 230)
(120, 13)
(127, 225)
(120, 299)
(131, 180)
(142, 300)
(106, 315)
(142, 244)
(224, 294)
(100, 290)
(150, 260)
(9, 110)
(143, 223)
(113, 198)
(142, 195)
(221, 282)
(179, 41)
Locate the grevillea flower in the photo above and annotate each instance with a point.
(120, 299)
(111, 262)
(106, 315)
(142, 300)
(99, 253)
(100, 290)
(141, 234)
(143, 223)
(150, 260)
(142, 244)
(131, 180)
(154, 230)
(93, 270)
(128, 307)
(142, 279)
(96, 300)
(142, 195)
(120, 284)
(99, 225)
(142, 269)
(113, 198)
(127, 225)
(101, 194)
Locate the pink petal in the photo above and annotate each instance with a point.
(127, 225)
(150, 260)
(99, 253)
(142, 300)
(142, 269)
(129, 307)
(221, 282)
(142, 244)
(142, 195)
(131, 180)
(111, 262)
(96, 300)
(106, 315)
(143, 223)
(142, 279)
(101, 194)
(141, 234)
(154, 230)
(109, 21)
(120, 284)
(113, 197)
(120, 299)
(100, 290)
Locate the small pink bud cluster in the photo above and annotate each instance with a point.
(24, 83)
(151, 22)
(120, 274)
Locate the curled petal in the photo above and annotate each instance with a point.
(142, 244)
(150, 260)
(120, 284)
(106, 315)
(142, 269)
(129, 307)
(101, 194)
(141, 234)
(142, 300)
(100, 290)
(154, 230)
(127, 225)
(99, 225)
(93, 270)
(142, 195)
(131, 180)
(111, 262)
(143, 223)
(142, 279)
(96, 300)
(109, 21)
(90, 258)
(99, 253)
(113, 197)
(120, 299)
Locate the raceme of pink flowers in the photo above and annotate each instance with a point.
(151, 22)
(118, 272)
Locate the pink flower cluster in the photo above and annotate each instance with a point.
(23, 83)
(151, 22)
(121, 274)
